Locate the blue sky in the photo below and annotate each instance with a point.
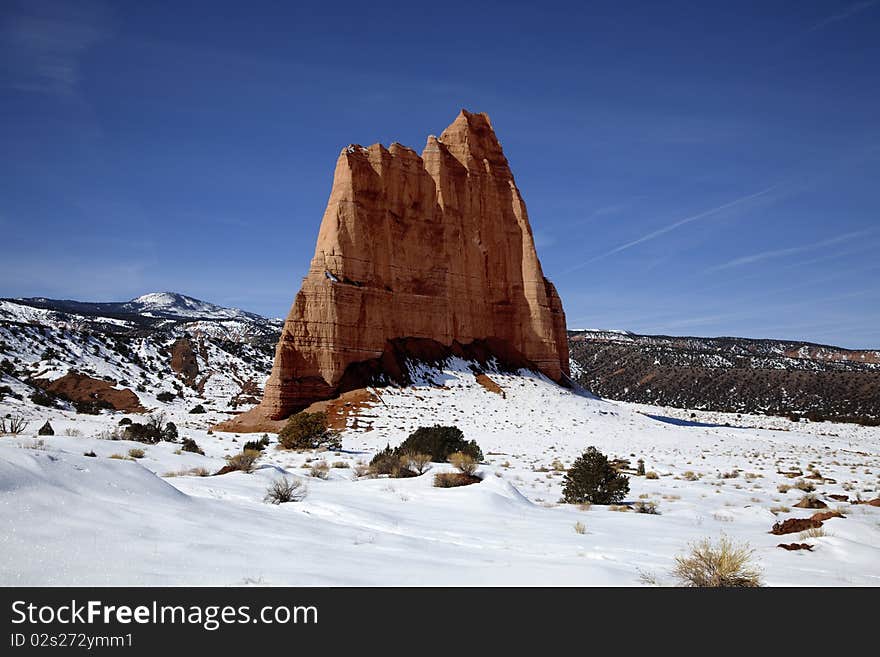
(690, 168)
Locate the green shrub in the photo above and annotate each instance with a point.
(43, 398)
(591, 478)
(308, 431)
(258, 445)
(165, 397)
(91, 406)
(385, 462)
(439, 442)
(198, 408)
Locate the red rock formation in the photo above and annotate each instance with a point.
(435, 247)
(81, 388)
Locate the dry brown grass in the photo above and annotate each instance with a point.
(319, 470)
(464, 463)
(725, 565)
(243, 461)
(454, 479)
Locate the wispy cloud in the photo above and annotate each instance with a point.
(851, 10)
(674, 225)
(793, 250)
(44, 44)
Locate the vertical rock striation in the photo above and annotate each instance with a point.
(434, 247)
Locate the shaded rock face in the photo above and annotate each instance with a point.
(81, 388)
(435, 247)
(184, 361)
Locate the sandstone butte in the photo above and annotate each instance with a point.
(417, 257)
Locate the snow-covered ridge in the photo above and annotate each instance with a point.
(179, 305)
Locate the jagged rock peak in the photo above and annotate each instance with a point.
(416, 251)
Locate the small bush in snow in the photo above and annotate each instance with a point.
(725, 565)
(13, 424)
(91, 454)
(190, 445)
(646, 507)
(198, 408)
(124, 421)
(464, 463)
(454, 479)
(650, 474)
(320, 469)
(136, 453)
(43, 398)
(258, 445)
(244, 461)
(593, 479)
(165, 397)
(385, 462)
(308, 431)
(285, 490)
(580, 527)
(416, 462)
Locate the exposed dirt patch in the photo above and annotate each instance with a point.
(348, 404)
(822, 516)
(794, 526)
(490, 385)
(338, 410)
(796, 546)
(252, 421)
(839, 498)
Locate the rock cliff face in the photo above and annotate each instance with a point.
(434, 248)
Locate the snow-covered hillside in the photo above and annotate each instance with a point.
(66, 518)
(197, 352)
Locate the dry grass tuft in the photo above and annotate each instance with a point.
(725, 565)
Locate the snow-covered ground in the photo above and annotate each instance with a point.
(70, 519)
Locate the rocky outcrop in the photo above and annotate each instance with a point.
(82, 389)
(432, 247)
(184, 361)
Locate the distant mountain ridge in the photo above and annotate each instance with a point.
(158, 344)
(170, 305)
(743, 375)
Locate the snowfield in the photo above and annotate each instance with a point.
(70, 519)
